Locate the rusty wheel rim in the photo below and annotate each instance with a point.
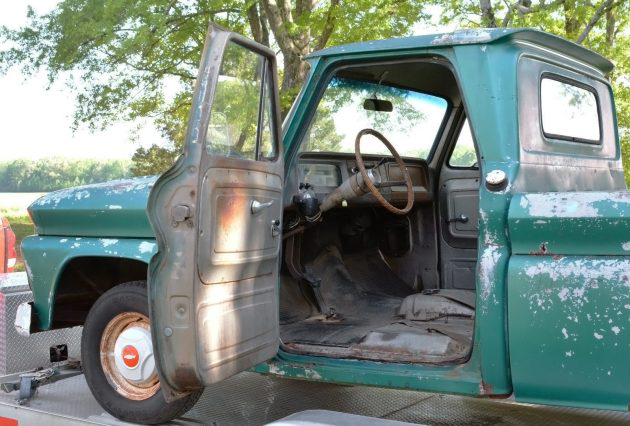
(133, 390)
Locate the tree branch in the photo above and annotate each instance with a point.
(524, 10)
(329, 26)
(594, 19)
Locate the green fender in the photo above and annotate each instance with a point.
(48, 256)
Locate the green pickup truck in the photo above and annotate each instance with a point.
(443, 213)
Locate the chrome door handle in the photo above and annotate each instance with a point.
(257, 206)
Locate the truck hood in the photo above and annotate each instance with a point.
(111, 209)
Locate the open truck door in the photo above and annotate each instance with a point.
(216, 215)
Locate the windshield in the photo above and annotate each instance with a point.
(411, 125)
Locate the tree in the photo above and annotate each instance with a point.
(50, 174)
(601, 25)
(121, 56)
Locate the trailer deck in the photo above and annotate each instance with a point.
(253, 399)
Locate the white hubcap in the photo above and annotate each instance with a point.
(133, 355)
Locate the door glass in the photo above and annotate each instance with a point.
(232, 129)
(463, 154)
(267, 146)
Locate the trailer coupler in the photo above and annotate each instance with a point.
(27, 383)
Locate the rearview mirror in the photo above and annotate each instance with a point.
(380, 105)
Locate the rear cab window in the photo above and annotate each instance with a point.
(566, 126)
(569, 110)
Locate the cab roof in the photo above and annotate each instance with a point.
(473, 36)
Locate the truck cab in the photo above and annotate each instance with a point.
(442, 213)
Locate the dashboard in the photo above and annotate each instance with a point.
(326, 171)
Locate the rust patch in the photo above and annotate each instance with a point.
(543, 250)
(230, 213)
(486, 388)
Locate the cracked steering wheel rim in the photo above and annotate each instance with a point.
(368, 182)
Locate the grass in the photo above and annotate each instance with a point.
(13, 208)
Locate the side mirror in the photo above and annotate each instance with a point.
(380, 105)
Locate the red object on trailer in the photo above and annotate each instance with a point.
(8, 254)
(6, 421)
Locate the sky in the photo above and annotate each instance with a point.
(37, 122)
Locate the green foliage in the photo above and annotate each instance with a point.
(464, 156)
(152, 161)
(51, 174)
(600, 25)
(126, 59)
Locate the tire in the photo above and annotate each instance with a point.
(124, 301)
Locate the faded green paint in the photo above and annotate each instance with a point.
(471, 36)
(571, 223)
(458, 379)
(47, 256)
(485, 63)
(568, 328)
(110, 209)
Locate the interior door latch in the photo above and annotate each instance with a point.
(180, 213)
(462, 218)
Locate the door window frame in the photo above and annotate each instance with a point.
(269, 68)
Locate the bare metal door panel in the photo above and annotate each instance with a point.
(235, 243)
(237, 325)
(216, 215)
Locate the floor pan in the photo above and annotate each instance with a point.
(369, 325)
(396, 341)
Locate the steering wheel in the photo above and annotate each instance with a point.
(368, 182)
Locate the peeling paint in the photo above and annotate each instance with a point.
(113, 187)
(106, 242)
(487, 264)
(598, 336)
(563, 294)
(569, 204)
(588, 270)
(146, 247)
(626, 246)
(463, 37)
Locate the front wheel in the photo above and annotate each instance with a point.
(118, 361)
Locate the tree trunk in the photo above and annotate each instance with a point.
(258, 25)
(295, 45)
(571, 23)
(610, 27)
(487, 14)
(295, 71)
